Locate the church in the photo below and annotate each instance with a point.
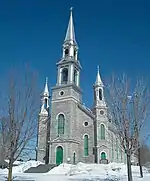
(68, 131)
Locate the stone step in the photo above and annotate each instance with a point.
(40, 168)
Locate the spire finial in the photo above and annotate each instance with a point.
(46, 80)
(70, 34)
(98, 68)
(46, 86)
(98, 78)
(71, 8)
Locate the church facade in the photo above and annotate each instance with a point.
(68, 130)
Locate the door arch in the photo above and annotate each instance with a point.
(59, 155)
(103, 156)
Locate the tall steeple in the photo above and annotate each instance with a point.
(70, 47)
(69, 66)
(45, 99)
(99, 90)
(70, 34)
(44, 126)
(46, 92)
(98, 81)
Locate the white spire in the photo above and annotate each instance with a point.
(46, 92)
(70, 35)
(98, 81)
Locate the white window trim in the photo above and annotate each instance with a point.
(59, 114)
(84, 122)
(85, 135)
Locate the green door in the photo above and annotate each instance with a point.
(59, 155)
(103, 155)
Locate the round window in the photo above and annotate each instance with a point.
(101, 112)
(61, 93)
(85, 123)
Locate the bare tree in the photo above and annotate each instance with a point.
(129, 106)
(20, 110)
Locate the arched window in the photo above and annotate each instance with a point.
(66, 52)
(103, 156)
(45, 103)
(100, 94)
(94, 95)
(75, 53)
(61, 124)
(86, 146)
(64, 76)
(75, 76)
(102, 132)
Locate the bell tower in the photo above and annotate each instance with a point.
(99, 98)
(66, 96)
(101, 119)
(44, 127)
(69, 66)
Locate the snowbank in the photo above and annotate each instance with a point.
(94, 169)
(62, 169)
(25, 166)
(22, 167)
(16, 162)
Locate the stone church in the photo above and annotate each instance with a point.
(68, 131)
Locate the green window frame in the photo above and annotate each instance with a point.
(61, 124)
(102, 132)
(86, 145)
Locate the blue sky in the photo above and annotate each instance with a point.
(114, 34)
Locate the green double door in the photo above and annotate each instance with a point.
(59, 155)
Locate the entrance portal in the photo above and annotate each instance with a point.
(103, 156)
(59, 155)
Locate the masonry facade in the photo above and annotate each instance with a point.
(68, 130)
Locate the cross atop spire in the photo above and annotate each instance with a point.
(70, 34)
(98, 81)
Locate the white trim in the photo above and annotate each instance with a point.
(87, 122)
(59, 114)
(61, 91)
(85, 135)
(65, 99)
(58, 146)
(103, 152)
(103, 124)
(71, 73)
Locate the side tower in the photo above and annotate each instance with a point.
(43, 127)
(64, 133)
(101, 121)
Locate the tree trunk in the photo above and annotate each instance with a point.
(129, 168)
(10, 171)
(139, 160)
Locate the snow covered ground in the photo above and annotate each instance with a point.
(79, 172)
